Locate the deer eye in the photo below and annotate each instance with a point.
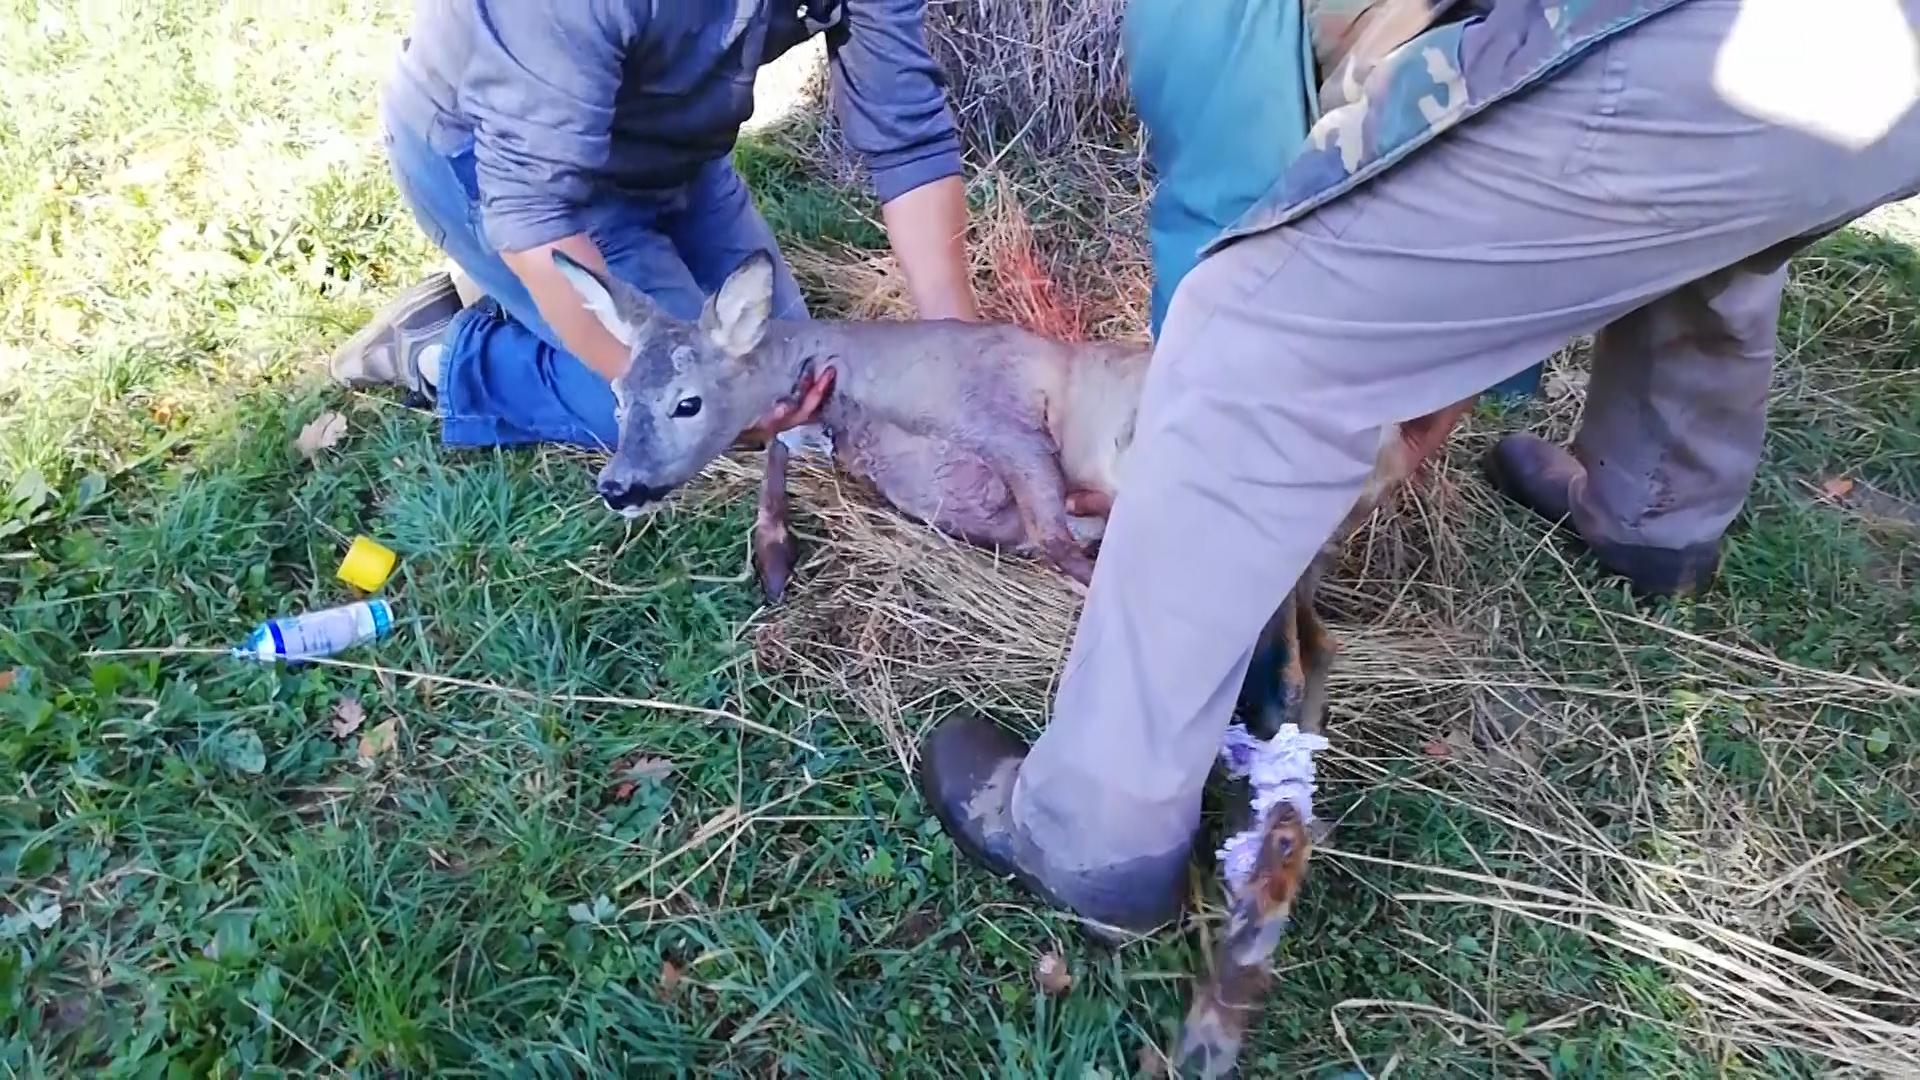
(689, 406)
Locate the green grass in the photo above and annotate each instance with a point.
(193, 221)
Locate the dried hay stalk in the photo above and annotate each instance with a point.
(1690, 875)
(901, 622)
(1047, 73)
(1017, 274)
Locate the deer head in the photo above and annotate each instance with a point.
(690, 388)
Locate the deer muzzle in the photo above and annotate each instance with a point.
(627, 497)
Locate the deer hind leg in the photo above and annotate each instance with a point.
(1227, 1000)
(1316, 647)
(1286, 684)
(1228, 996)
(1286, 681)
(1275, 683)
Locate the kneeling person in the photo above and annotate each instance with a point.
(603, 129)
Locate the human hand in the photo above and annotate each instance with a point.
(1089, 503)
(798, 409)
(1425, 435)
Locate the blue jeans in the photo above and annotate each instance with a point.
(1202, 77)
(505, 378)
(1220, 132)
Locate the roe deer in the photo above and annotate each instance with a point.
(980, 430)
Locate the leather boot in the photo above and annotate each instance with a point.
(967, 771)
(1542, 477)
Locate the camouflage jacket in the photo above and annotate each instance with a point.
(1397, 73)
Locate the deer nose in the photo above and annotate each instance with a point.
(620, 495)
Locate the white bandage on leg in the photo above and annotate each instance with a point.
(1279, 770)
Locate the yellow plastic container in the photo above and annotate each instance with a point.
(368, 565)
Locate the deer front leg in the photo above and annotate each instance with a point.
(774, 550)
(1030, 466)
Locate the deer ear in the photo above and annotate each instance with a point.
(735, 319)
(620, 308)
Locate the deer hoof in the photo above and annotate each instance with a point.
(1071, 559)
(774, 554)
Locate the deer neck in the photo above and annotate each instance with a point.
(795, 349)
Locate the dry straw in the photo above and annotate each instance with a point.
(1044, 74)
(1690, 874)
(902, 623)
(1429, 696)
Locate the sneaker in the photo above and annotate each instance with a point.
(401, 345)
(967, 772)
(1541, 476)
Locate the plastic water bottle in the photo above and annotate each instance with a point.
(319, 633)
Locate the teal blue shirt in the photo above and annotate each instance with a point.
(1225, 91)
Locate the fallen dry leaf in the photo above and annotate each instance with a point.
(326, 429)
(348, 715)
(669, 978)
(630, 773)
(377, 740)
(7, 679)
(649, 768)
(1837, 487)
(1436, 748)
(1052, 975)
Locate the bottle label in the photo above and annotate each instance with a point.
(324, 633)
(319, 633)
